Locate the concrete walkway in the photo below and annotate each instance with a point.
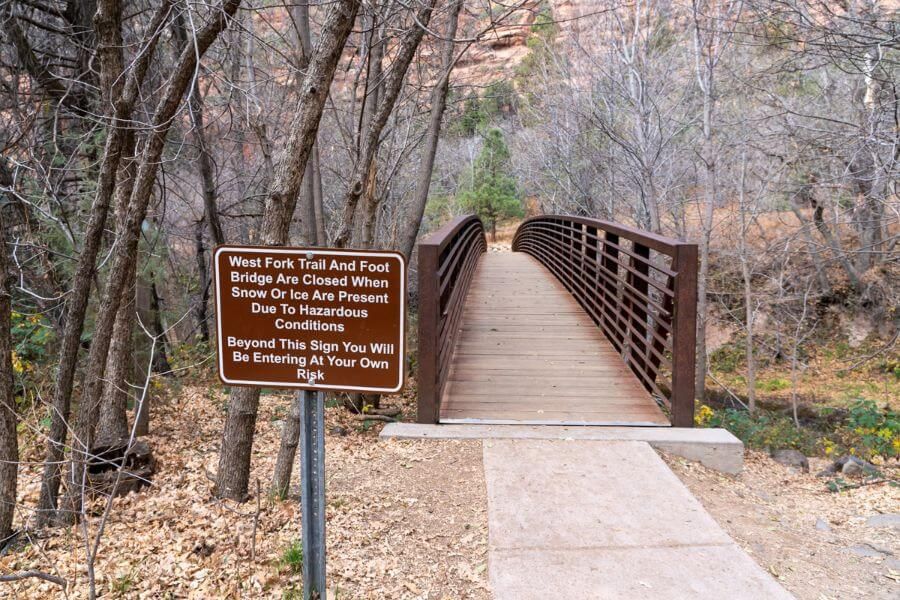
(579, 519)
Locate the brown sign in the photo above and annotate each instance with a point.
(315, 318)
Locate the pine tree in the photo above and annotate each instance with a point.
(492, 193)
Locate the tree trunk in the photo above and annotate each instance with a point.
(311, 176)
(391, 91)
(364, 219)
(9, 445)
(308, 206)
(290, 439)
(367, 218)
(201, 308)
(750, 317)
(702, 304)
(746, 274)
(835, 246)
(126, 251)
(813, 250)
(416, 209)
(112, 423)
(321, 231)
(210, 208)
(160, 338)
(237, 438)
(113, 420)
(111, 66)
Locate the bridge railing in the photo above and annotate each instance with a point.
(638, 287)
(447, 261)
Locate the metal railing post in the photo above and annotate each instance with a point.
(684, 334)
(429, 321)
(640, 262)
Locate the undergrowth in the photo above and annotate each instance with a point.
(864, 430)
(292, 558)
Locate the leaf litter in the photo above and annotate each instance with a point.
(404, 519)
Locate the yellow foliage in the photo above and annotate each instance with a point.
(19, 366)
(703, 415)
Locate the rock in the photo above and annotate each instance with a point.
(822, 525)
(129, 481)
(137, 470)
(791, 458)
(140, 455)
(763, 495)
(886, 520)
(869, 551)
(338, 430)
(204, 548)
(855, 467)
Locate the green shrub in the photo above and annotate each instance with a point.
(870, 431)
(472, 119)
(292, 558)
(773, 385)
(890, 366)
(491, 192)
(727, 358)
(867, 431)
(499, 98)
(765, 430)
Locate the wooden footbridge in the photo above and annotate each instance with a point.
(586, 322)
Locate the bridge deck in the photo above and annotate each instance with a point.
(528, 353)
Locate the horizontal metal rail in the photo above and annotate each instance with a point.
(638, 287)
(447, 261)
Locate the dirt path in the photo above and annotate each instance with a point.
(816, 543)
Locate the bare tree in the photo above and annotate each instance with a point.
(9, 444)
(111, 70)
(237, 437)
(416, 207)
(363, 175)
(713, 27)
(126, 252)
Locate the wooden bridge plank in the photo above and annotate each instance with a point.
(527, 352)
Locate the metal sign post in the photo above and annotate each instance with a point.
(312, 493)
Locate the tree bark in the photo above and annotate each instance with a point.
(391, 90)
(364, 219)
(416, 209)
(237, 437)
(747, 275)
(108, 24)
(126, 251)
(813, 249)
(321, 231)
(112, 422)
(9, 445)
(835, 246)
(311, 176)
(287, 451)
(161, 363)
(201, 308)
(207, 179)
